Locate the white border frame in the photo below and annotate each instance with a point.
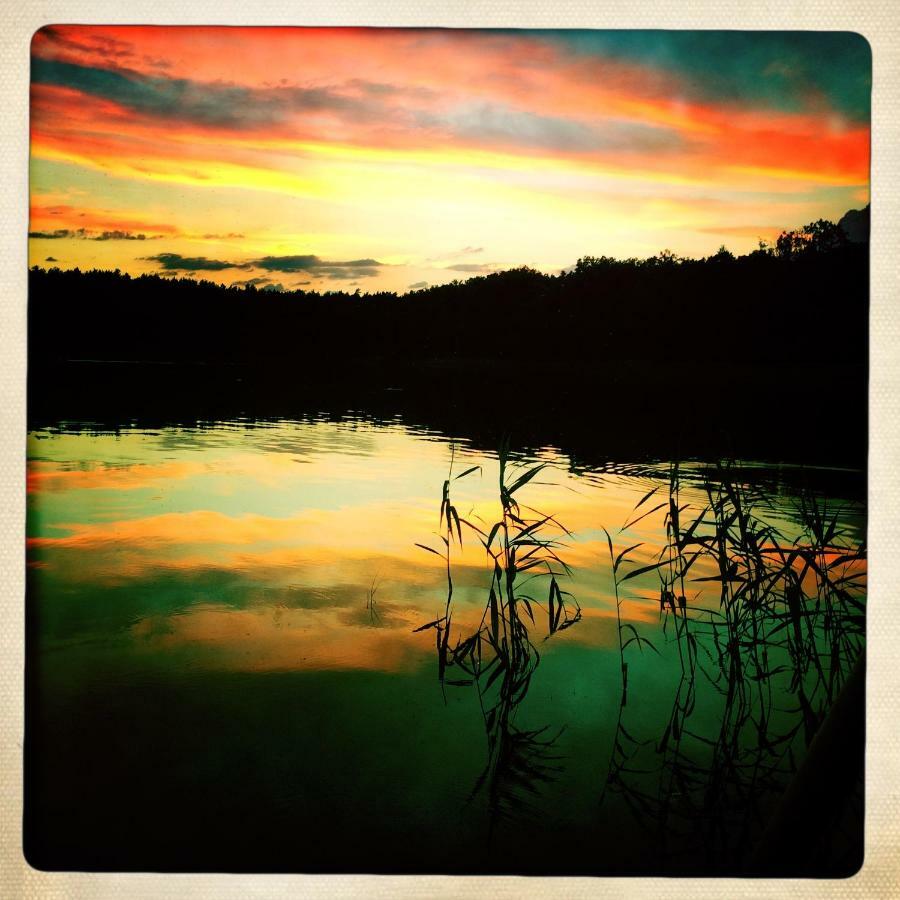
(880, 875)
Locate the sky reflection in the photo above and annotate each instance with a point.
(260, 551)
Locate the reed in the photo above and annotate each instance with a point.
(769, 617)
(372, 603)
(751, 614)
(500, 657)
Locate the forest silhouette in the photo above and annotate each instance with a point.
(803, 298)
(758, 346)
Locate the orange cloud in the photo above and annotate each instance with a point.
(93, 221)
(523, 74)
(43, 477)
(280, 639)
(442, 136)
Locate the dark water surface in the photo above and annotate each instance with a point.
(224, 672)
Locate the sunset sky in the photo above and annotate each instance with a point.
(390, 159)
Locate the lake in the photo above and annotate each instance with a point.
(228, 669)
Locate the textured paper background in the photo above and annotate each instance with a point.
(878, 22)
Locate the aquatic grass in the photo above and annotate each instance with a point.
(625, 747)
(500, 657)
(769, 627)
(371, 604)
(785, 613)
(750, 615)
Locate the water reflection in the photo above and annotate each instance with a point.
(242, 519)
(772, 656)
(499, 656)
(289, 549)
(787, 627)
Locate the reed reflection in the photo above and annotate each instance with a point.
(499, 656)
(767, 631)
(775, 647)
(687, 693)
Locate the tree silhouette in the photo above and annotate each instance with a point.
(817, 237)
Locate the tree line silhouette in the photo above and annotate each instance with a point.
(763, 355)
(805, 298)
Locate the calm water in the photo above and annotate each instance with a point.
(224, 671)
